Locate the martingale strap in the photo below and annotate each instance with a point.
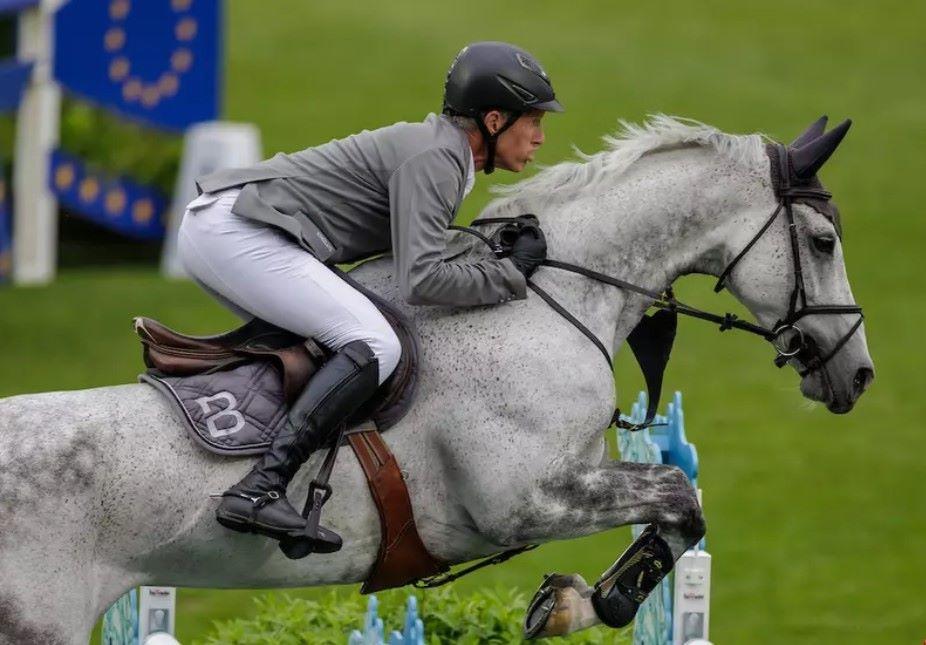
(402, 558)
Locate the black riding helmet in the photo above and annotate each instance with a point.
(496, 76)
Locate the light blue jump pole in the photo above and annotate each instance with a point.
(670, 617)
(373, 629)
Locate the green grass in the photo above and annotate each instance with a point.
(817, 523)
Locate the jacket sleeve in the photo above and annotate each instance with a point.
(422, 195)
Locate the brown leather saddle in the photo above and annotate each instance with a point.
(177, 354)
(402, 556)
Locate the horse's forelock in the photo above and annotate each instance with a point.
(631, 142)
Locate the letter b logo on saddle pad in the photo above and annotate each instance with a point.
(211, 418)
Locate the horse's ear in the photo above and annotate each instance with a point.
(809, 158)
(812, 132)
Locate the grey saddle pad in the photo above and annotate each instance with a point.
(237, 412)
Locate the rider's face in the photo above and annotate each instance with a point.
(515, 146)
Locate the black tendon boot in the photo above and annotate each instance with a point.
(258, 504)
(621, 589)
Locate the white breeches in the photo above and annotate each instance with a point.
(258, 270)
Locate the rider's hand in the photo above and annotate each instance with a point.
(529, 250)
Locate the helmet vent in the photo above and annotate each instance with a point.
(529, 63)
(526, 96)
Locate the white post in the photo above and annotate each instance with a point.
(207, 147)
(691, 607)
(35, 209)
(157, 609)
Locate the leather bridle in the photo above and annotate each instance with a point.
(787, 337)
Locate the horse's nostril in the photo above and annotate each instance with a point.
(863, 378)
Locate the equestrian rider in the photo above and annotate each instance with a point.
(260, 240)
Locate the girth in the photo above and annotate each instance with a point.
(402, 558)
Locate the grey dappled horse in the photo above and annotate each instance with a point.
(102, 489)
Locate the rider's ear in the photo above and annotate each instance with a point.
(492, 119)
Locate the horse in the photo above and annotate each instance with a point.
(103, 489)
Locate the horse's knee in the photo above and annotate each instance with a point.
(686, 510)
(693, 524)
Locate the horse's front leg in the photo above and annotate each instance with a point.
(590, 500)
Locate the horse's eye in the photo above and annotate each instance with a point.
(824, 243)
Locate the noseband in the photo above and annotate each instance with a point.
(786, 336)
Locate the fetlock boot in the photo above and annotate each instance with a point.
(258, 504)
(625, 585)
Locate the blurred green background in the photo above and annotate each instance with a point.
(817, 523)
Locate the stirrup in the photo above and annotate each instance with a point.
(316, 539)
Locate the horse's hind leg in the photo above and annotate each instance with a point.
(590, 500)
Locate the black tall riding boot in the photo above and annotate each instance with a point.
(258, 504)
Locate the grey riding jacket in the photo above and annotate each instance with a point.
(396, 188)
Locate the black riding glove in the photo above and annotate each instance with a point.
(529, 249)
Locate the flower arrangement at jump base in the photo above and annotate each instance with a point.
(485, 616)
(374, 628)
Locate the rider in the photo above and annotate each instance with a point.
(258, 239)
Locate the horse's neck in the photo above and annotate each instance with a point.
(651, 225)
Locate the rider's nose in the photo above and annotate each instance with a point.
(863, 378)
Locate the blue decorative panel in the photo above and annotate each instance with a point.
(157, 60)
(116, 203)
(13, 78)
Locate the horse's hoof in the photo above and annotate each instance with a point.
(538, 612)
(559, 607)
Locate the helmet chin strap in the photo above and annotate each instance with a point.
(491, 139)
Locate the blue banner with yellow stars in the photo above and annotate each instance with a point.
(157, 60)
(118, 203)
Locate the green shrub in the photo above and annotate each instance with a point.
(120, 146)
(489, 616)
(110, 144)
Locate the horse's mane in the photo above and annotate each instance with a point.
(626, 146)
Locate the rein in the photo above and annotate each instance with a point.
(665, 300)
